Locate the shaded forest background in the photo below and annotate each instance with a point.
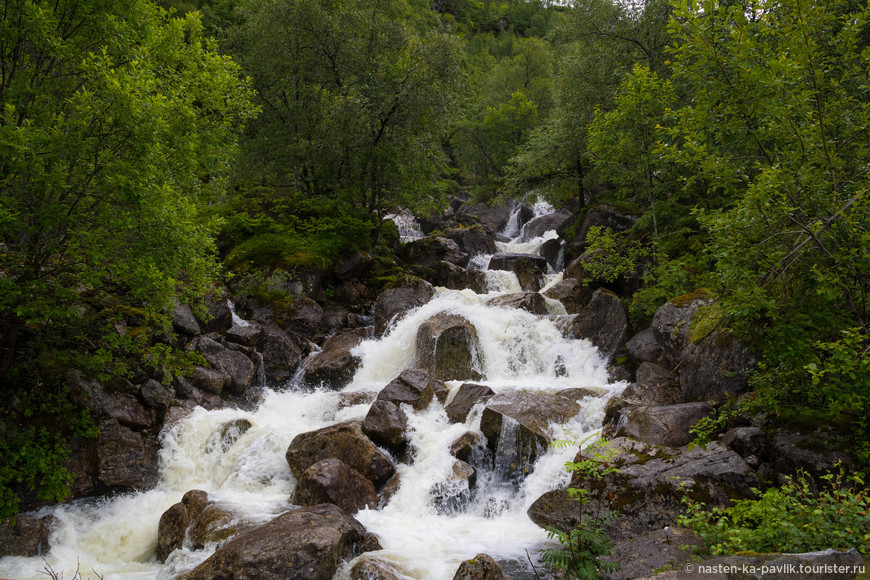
(151, 152)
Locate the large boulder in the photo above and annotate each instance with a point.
(530, 269)
(127, 459)
(215, 523)
(333, 481)
(516, 424)
(455, 277)
(671, 322)
(103, 403)
(529, 301)
(25, 536)
(376, 569)
(247, 335)
(393, 303)
(156, 395)
(654, 385)
(814, 453)
(493, 218)
(413, 387)
(354, 266)
(472, 240)
(714, 368)
(302, 317)
(481, 567)
(236, 365)
(385, 424)
(218, 318)
(468, 395)
(604, 322)
(173, 525)
(209, 380)
(334, 366)
(429, 251)
(664, 425)
(447, 347)
(281, 354)
(643, 347)
(538, 226)
(573, 294)
(344, 441)
(605, 215)
(303, 544)
(183, 320)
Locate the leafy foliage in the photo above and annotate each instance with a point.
(787, 519)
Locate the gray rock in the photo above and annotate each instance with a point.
(528, 301)
(393, 303)
(815, 565)
(376, 569)
(413, 387)
(174, 523)
(573, 294)
(209, 380)
(604, 322)
(492, 217)
(481, 567)
(550, 251)
(354, 266)
(655, 385)
(429, 251)
(344, 441)
(385, 424)
(281, 355)
(303, 317)
(245, 335)
(219, 318)
(529, 268)
(156, 395)
(238, 367)
(714, 368)
(466, 397)
(643, 347)
(607, 216)
(303, 544)
(815, 453)
(665, 425)
(447, 347)
(334, 366)
(462, 447)
(333, 481)
(457, 278)
(540, 225)
(25, 536)
(746, 441)
(184, 321)
(127, 459)
(215, 523)
(671, 324)
(643, 555)
(103, 403)
(472, 240)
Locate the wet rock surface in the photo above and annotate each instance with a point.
(393, 303)
(335, 365)
(333, 481)
(447, 347)
(303, 544)
(530, 269)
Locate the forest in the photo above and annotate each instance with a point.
(151, 153)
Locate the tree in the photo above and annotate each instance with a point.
(118, 123)
(356, 96)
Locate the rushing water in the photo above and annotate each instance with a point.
(420, 531)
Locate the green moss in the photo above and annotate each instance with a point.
(687, 299)
(704, 321)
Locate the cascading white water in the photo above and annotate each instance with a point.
(117, 536)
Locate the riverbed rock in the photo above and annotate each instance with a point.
(528, 301)
(447, 347)
(540, 225)
(413, 387)
(334, 366)
(376, 569)
(26, 536)
(664, 425)
(551, 250)
(171, 530)
(455, 277)
(281, 354)
(344, 441)
(385, 424)
(494, 218)
(604, 322)
(219, 318)
(236, 365)
(468, 395)
(472, 240)
(671, 322)
(429, 251)
(127, 459)
(530, 269)
(481, 567)
(302, 317)
(303, 544)
(333, 481)
(714, 368)
(393, 303)
(209, 380)
(103, 403)
(463, 445)
(573, 294)
(215, 523)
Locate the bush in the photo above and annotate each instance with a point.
(787, 519)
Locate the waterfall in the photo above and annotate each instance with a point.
(433, 522)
